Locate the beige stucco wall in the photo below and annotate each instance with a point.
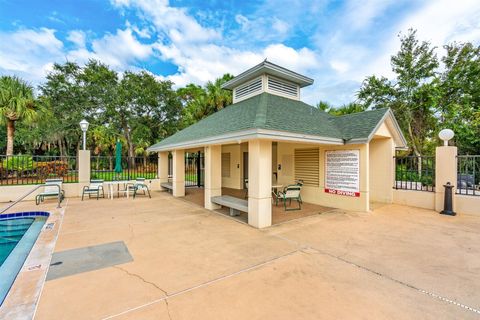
(317, 195)
(381, 170)
(467, 204)
(234, 181)
(413, 198)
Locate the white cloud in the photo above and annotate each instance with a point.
(173, 21)
(28, 53)
(120, 49)
(32, 53)
(77, 37)
(361, 13)
(445, 21)
(351, 43)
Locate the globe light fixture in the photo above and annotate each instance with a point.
(445, 135)
(84, 126)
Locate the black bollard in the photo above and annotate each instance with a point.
(448, 204)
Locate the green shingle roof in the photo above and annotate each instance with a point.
(358, 125)
(272, 112)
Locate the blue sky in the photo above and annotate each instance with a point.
(337, 43)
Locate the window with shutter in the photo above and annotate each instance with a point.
(226, 165)
(307, 166)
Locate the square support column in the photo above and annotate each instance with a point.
(260, 183)
(178, 182)
(162, 167)
(83, 169)
(213, 175)
(445, 171)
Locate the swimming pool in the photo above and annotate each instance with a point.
(18, 233)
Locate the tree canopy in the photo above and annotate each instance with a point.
(426, 94)
(136, 108)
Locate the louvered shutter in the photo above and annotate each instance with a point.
(307, 166)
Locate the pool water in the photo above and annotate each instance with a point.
(11, 231)
(18, 233)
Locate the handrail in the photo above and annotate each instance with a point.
(30, 192)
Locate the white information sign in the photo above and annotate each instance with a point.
(342, 172)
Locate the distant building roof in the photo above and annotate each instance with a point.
(278, 118)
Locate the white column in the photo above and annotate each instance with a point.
(445, 171)
(260, 183)
(83, 169)
(178, 182)
(213, 175)
(162, 167)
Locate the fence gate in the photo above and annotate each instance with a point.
(194, 169)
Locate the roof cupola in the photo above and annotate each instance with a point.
(267, 77)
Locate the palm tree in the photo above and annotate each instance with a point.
(218, 98)
(16, 104)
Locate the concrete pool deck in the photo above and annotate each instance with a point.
(190, 263)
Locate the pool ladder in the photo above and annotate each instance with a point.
(30, 192)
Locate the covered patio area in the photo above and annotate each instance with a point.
(279, 215)
(269, 141)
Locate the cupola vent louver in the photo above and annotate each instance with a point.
(283, 87)
(248, 88)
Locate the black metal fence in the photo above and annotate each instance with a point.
(468, 175)
(194, 169)
(103, 167)
(28, 169)
(415, 173)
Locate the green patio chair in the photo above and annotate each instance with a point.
(139, 185)
(50, 190)
(95, 188)
(246, 188)
(290, 192)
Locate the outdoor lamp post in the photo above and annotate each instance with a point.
(84, 126)
(445, 135)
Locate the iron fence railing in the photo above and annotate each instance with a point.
(194, 169)
(103, 167)
(415, 173)
(31, 169)
(468, 175)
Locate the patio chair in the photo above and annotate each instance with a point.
(246, 188)
(50, 190)
(139, 185)
(95, 188)
(290, 192)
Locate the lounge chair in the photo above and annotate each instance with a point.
(95, 188)
(139, 185)
(51, 190)
(290, 192)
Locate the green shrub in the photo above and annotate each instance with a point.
(18, 163)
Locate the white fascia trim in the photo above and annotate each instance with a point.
(239, 136)
(398, 135)
(356, 141)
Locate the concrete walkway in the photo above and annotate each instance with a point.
(190, 263)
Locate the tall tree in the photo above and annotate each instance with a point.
(64, 89)
(16, 104)
(458, 103)
(411, 94)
